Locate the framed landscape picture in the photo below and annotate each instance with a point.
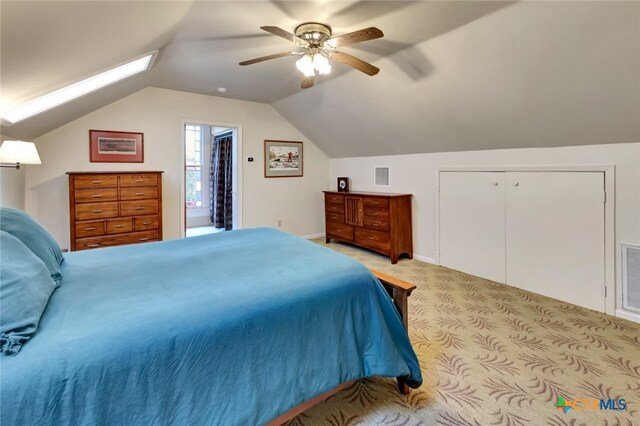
(282, 159)
(107, 146)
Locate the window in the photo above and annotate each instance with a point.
(193, 164)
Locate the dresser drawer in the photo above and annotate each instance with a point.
(378, 223)
(138, 193)
(90, 228)
(135, 208)
(340, 231)
(335, 208)
(95, 181)
(335, 217)
(333, 199)
(116, 240)
(380, 203)
(87, 211)
(142, 223)
(95, 194)
(376, 213)
(138, 180)
(118, 226)
(376, 240)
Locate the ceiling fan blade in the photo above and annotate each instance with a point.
(285, 34)
(370, 33)
(266, 58)
(356, 63)
(307, 82)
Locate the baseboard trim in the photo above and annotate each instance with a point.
(628, 315)
(425, 259)
(312, 236)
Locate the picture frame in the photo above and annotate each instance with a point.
(107, 146)
(343, 184)
(283, 159)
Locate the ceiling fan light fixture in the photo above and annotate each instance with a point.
(306, 66)
(321, 64)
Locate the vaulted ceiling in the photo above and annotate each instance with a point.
(454, 75)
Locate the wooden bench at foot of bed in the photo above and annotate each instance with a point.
(399, 291)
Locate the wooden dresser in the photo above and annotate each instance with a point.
(114, 208)
(377, 221)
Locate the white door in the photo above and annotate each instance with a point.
(472, 215)
(555, 235)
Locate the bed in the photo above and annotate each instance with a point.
(233, 328)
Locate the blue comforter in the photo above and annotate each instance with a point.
(233, 328)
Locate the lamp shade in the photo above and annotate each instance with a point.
(19, 152)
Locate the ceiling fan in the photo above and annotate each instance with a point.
(318, 46)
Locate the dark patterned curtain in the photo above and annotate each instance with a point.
(221, 182)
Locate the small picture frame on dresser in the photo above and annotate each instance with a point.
(343, 184)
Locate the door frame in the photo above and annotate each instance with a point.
(613, 289)
(237, 166)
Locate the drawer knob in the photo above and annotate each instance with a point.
(140, 208)
(90, 229)
(139, 193)
(139, 180)
(375, 203)
(97, 211)
(93, 245)
(96, 181)
(371, 238)
(119, 226)
(96, 196)
(375, 224)
(146, 223)
(144, 239)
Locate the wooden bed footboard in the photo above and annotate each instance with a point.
(399, 291)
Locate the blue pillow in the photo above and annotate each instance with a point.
(35, 237)
(25, 288)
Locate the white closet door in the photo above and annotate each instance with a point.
(555, 235)
(472, 219)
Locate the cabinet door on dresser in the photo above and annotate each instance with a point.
(114, 208)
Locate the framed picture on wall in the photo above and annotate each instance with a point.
(106, 146)
(282, 159)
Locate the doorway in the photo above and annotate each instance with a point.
(211, 178)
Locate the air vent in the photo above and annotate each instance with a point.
(631, 278)
(382, 176)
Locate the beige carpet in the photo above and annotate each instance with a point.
(493, 355)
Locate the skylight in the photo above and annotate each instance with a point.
(75, 90)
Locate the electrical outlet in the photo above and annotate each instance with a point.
(279, 223)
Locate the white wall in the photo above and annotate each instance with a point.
(158, 114)
(416, 174)
(12, 183)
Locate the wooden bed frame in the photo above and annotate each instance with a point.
(399, 291)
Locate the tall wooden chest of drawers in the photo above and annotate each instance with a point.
(114, 208)
(377, 221)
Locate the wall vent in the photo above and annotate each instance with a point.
(382, 176)
(631, 278)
